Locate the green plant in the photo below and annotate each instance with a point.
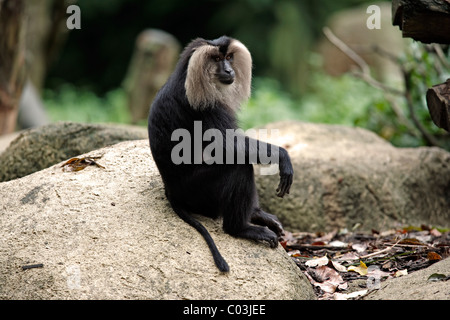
(69, 103)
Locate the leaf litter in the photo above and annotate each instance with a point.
(346, 265)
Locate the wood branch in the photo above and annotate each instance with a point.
(427, 21)
(365, 75)
(438, 101)
(347, 50)
(12, 61)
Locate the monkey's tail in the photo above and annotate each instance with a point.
(218, 259)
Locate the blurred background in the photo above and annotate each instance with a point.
(85, 74)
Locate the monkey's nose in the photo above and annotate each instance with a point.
(229, 71)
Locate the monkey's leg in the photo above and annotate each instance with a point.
(254, 233)
(236, 223)
(237, 206)
(263, 218)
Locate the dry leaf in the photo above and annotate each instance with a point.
(433, 256)
(437, 277)
(77, 164)
(411, 241)
(346, 296)
(435, 232)
(376, 272)
(294, 253)
(349, 256)
(361, 269)
(323, 261)
(338, 244)
(338, 266)
(400, 273)
(359, 247)
(327, 279)
(327, 237)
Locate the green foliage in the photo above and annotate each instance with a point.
(268, 103)
(69, 103)
(425, 69)
(347, 100)
(344, 100)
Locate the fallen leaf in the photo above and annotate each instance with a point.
(388, 265)
(435, 232)
(349, 256)
(388, 233)
(359, 247)
(338, 266)
(361, 269)
(329, 279)
(294, 253)
(436, 277)
(343, 286)
(400, 273)
(433, 256)
(77, 164)
(338, 244)
(412, 241)
(326, 237)
(374, 277)
(346, 296)
(317, 262)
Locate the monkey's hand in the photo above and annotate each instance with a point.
(286, 174)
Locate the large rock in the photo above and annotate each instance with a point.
(416, 286)
(39, 148)
(109, 233)
(344, 176)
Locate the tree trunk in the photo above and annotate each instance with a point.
(423, 20)
(438, 101)
(46, 33)
(12, 61)
(154, 58)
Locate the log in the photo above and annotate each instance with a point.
(155, 55)
(427, 21)
(438, 101)
(12, 61)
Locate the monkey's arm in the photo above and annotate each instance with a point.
(259, 152)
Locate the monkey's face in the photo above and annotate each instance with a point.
(224, 68)
(218, 70)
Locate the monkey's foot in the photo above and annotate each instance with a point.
(258, 233)
(263, 218)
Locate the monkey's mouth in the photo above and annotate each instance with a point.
(225, 78)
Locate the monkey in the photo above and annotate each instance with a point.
(211, 80)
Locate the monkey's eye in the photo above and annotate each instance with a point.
(229, 56)
(216, 58)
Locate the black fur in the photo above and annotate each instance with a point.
(226, 190)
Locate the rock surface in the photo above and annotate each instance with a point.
(110, 234)
(347, 176)
(39, 148)
(415, 286)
